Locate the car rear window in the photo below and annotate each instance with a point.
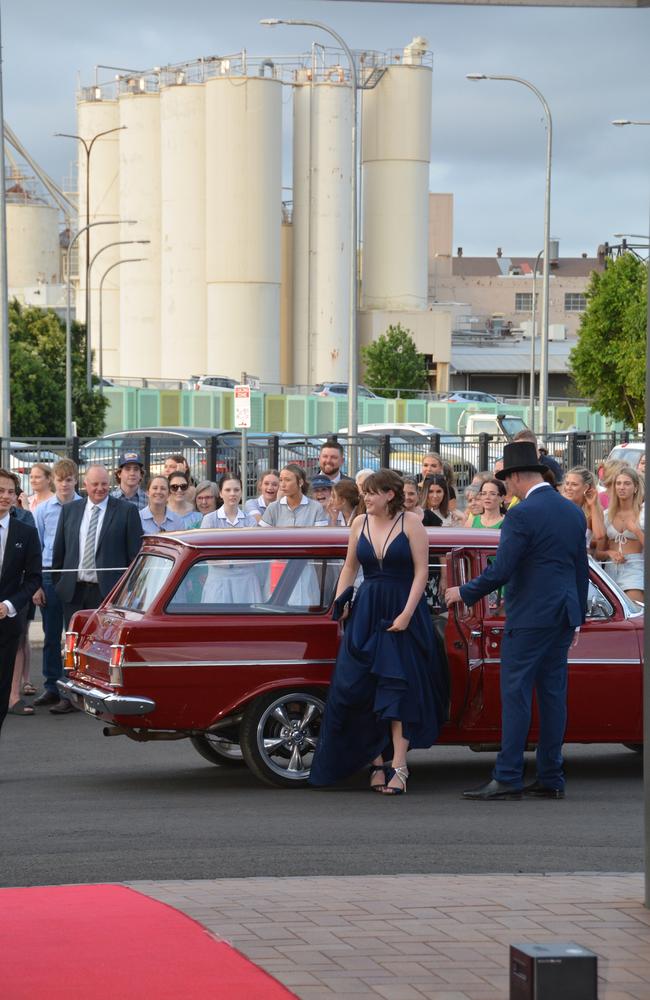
(257, 586)
(144, 582)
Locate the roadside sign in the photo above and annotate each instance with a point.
(242, 406)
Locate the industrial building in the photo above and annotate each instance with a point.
(234, 277)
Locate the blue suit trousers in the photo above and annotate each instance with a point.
(533, 659)
(52, 613)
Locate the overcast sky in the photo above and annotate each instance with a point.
(488, 138)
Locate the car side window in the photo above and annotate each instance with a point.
(436, 584)
(257, 586)
(598, 606)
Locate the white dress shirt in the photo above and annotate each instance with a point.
(90, 576)
(4, 528)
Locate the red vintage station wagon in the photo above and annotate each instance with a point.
(227, 638)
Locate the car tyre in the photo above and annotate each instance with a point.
(634, 747)
(218, 750)
(278, 734)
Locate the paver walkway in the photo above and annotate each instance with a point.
(405, 937)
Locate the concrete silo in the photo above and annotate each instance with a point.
(96, 113)
(395, 154)
(182, 188)
(139, 106)
(32, 239)
(322, 168)
(243, 135)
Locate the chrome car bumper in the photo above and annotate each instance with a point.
(97, 702)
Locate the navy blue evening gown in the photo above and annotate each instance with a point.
(379, 675)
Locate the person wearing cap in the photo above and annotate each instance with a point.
(130, 476)
(542, 562)
(320, 489)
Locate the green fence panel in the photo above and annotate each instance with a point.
(275, 413)
(374, 411)
(202, 405)
(326, 414)
(257, 411)
(416, 411)
(148, 408)
(297, 420)
(170, 407)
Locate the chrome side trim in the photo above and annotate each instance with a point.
(94, 700)
(588, 659)
(225, 663)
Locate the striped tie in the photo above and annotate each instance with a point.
(88, 561)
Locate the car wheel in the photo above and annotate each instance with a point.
(279, 734)
(634, 747)
(218, 750)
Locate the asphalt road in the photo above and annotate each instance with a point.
(77, 807)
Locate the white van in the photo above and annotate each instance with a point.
(630, 453)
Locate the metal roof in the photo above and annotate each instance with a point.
(508, 358)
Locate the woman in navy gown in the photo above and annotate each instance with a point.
(389, 686)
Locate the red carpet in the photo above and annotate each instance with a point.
(107, 942)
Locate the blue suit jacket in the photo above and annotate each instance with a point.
(542, 557)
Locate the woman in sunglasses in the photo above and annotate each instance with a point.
(179, 484)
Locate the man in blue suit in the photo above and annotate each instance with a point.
(542, 561)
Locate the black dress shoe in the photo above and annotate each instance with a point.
(63, 707)
(537, 791)
(47, 698)
(493, 790)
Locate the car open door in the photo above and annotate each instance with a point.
(464, 642)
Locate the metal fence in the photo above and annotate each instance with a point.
(209, 457)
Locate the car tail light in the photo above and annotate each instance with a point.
(115, 665)
(71, 640)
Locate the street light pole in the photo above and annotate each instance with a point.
(88, 147)
(353, 344)
(125, 260)
(68, 324)
(543, 361)
(533, 344)
(115, 243)
(646, 572)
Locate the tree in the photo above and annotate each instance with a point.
(392, 362)
(608, 363)
(37, 376)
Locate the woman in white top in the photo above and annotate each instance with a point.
(40, 480)
(294, 509)
(579, 486)
(232, 581)
(268, 485)
(230, 514)
(623, 547)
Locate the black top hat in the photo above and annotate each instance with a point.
(519, 456)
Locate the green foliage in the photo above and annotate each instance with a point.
(392, 362)
(608, 363)
(37, 371)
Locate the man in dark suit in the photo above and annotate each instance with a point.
(96, 538)
(20, 578)
(542, 562)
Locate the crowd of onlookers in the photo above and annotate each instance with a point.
(171, 500)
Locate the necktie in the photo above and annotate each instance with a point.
(88, 561)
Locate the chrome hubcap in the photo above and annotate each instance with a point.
(287, 734)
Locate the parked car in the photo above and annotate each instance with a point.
(467, 396)
(24, 455)
(629, 452)
(192, 442)
(211, 382)
(242, 671)
(409, 443)
(341, 389)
